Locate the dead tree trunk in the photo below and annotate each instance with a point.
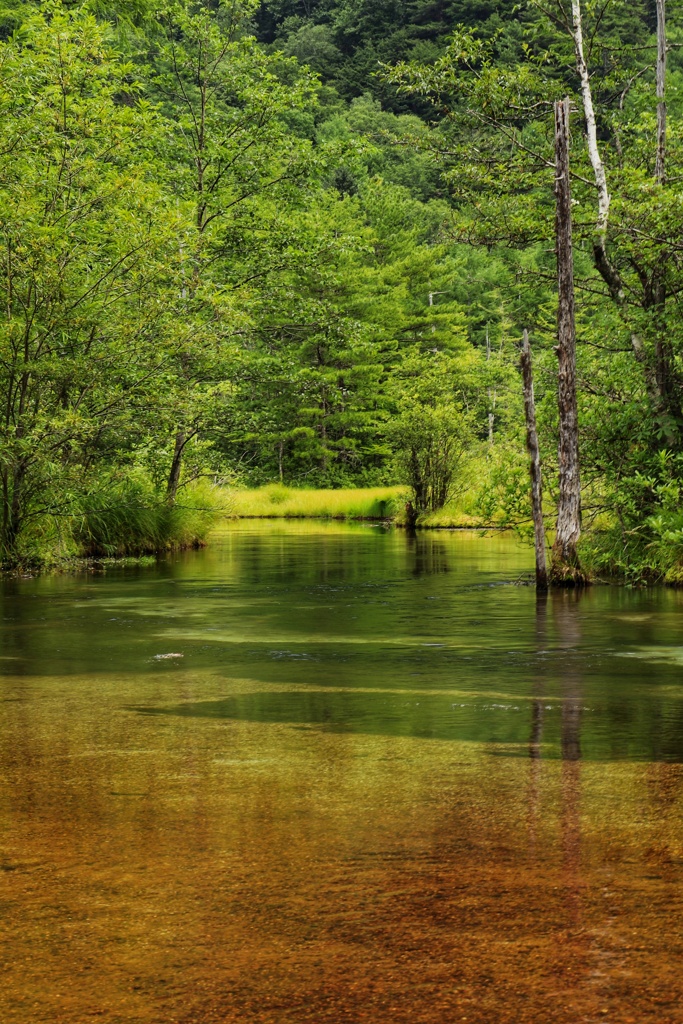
(411, 517)
(491, 391)
(280, 458)
(534, 464)
(565, 568)
(181, 440)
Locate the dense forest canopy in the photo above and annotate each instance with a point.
(299, 241)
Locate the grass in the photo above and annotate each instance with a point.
(123, 520)
(130, 519)
(276, 501)
(452, 517)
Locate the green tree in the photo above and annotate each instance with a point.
(88, 267)
(234, 164)
(430, 442)
(495, 145)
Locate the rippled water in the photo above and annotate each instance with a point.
(336, 774)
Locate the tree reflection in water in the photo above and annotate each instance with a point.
(536, 736)
(428, 553)
(568, 634)
(567, 631)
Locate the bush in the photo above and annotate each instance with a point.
(429, 444)
(643, 543)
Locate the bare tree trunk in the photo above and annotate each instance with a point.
(660, 161)
(602, 261)
(280, 455)
(534, 464)
(491, 391)
(565, 568)
(181, 440)
(411, 517)
(603, 265)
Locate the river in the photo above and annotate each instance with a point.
(333, 774)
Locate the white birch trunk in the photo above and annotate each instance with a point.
(565, 568)
(591, 128)
(602, 263)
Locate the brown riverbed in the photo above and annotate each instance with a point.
(162, 866)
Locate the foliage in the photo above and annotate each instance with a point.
(347, 40)
(88, 263)
(430, 442)
(293, 243)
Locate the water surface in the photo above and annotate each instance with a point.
(333, 773)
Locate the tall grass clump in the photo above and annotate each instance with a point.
(128, 517)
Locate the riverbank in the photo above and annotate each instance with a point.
(643, 558)
(125, 518)
(130, 522)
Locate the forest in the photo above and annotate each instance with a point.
(299, 243)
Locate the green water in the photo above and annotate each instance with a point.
(361, 630)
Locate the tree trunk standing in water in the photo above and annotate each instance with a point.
(411, 517)
(565, 568)
(534, 464)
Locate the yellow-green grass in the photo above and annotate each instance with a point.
(451, 517)
(276, 501)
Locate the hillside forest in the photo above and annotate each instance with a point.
(298, 243)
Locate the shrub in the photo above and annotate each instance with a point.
(429, 444)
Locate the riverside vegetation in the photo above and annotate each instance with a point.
(295, 245)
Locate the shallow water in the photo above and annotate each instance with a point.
(383, 783)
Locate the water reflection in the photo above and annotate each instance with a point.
(538, 685)
(369, 631)
(428, 553)
(567, 623)
(538, 682)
